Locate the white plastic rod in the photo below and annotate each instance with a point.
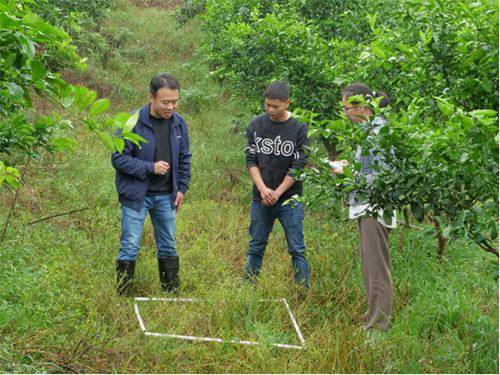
(139, 318)
(215, 339)
(145, 299)
(301, 338)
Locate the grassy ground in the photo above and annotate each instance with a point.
(58, 308)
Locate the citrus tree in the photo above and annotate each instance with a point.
(26, 42)
(437, 59)
(446, 174)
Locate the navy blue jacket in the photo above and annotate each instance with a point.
(135, 165)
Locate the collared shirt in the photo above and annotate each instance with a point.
(360, 209)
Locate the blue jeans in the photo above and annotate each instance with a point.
(261, 223)
(163, 219)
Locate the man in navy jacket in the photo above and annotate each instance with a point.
(153, 178)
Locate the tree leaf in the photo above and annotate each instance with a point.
(445, 107)
(27, 45)
(484, 113)
(348, 172)
(7, 22)
(119, 144)
(379, 52)
(14, 89)
(129, 125)
(107, 139)
(83, 98)
(37, 23)
(418, 211)
(37, 70)
(98, 107)
(134, 138)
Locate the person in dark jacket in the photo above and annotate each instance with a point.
(274, 153)
(153, 179)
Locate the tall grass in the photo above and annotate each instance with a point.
(58, 307)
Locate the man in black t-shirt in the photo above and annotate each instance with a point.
(274, 154)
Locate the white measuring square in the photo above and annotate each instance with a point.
(215, 339)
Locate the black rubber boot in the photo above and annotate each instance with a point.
(169, 273)
(124, 275)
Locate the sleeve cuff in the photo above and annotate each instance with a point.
(150, 167)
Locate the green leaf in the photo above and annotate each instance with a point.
(83, 98)
(348, 172)
(339, 81)
(425, 37)
(14, 89)
(64, 144)
(493, 230)
(107, 139)
(37, 23)
(27, 45)
(484, 113)
(447, 231)
(121, 118)
(129, 125)
(134, 138)
(31, 19)
(372, 20)
(119, 144)
(405, 215)
(7, 22)
(98, 107)
(37, 70)
(445, 107)
(27, 96)
(12, 181)
(9, 60)
(379, 52)
(387, 215)
(13, 171)
(9, 176)
(418, 211)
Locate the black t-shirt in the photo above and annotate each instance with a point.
(161, 184)
(276, 148)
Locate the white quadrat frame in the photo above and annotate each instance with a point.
(216, 339)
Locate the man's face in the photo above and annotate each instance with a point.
(356, 112)
(276, 109)
(164, 103)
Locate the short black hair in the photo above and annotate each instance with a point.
(163, 80)
(277, 90)
(359, 88)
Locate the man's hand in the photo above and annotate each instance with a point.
(338, 166)
(267, 196)
(274, 198)
(179, 199)
(338, 170)
(276, 195)
(161, 167)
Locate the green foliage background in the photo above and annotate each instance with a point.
(437, 59)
